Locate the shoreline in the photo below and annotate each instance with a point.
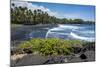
(30, 59)
(87, 54)
(19, 32)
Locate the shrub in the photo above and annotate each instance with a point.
(50, 46)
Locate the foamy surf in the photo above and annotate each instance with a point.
(68, 26)
(90, 39)
(72, 31)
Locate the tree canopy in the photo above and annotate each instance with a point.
(23, 15)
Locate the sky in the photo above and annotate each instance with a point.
(85, 12)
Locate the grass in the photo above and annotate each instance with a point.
(49, 46)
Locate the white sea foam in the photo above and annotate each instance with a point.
(76, 32)
(81, 38)
(68, 26)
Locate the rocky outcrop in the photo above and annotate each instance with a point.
(84, 54)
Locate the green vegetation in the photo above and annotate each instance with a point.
(23, 15)
(50, 46)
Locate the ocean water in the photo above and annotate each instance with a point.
(66, 31)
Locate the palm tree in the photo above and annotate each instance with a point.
(34, 17)
(13, 4)
(46, 17)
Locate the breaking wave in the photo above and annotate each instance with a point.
(81, 37)
(72, 32)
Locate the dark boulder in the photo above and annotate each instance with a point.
(28, 50)
(83, 56)
(77, 50)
